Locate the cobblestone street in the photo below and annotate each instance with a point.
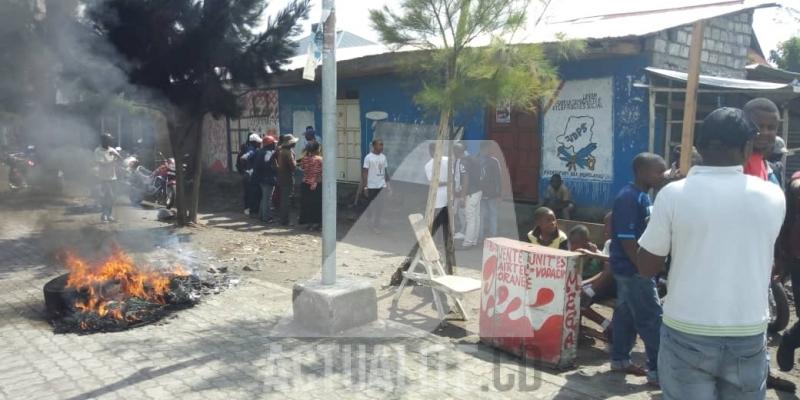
(242, 344)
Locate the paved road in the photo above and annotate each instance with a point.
(240, 344)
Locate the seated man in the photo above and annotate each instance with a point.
(558, 198)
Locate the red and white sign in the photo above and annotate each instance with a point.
(530, 300)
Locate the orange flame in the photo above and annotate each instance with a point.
(109, 283)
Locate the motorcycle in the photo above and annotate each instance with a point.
(157, 186)
(26, 170)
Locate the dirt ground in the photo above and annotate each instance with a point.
(226, 239)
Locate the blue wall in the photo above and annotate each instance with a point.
(630, 125)
(390, 93)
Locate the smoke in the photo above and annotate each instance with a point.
(74, 87)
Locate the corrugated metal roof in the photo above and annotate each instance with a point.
(761, 72)
(615, 19)
(725, 83)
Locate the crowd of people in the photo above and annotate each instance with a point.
(270, 169)
(716, 237)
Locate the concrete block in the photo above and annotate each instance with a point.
(330, 309)
(727, 49)
(685, 51)
(704, 56)
(713, 58)
(681, 37)
(715, 33)
(674, 49)
(660, 45)
(724, 36)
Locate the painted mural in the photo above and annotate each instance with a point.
(577, 140)
(215, 144)
(259, 111)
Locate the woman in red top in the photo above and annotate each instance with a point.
(311, 209)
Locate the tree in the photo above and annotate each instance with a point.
(787, 55)
(468, 61)
(193, 54)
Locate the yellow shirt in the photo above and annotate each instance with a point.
(558, 243)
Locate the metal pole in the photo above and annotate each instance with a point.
(330, 138)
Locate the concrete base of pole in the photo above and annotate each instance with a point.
(330, 309)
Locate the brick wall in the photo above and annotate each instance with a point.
(725, 44)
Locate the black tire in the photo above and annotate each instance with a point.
(780, 320)
(170, 200)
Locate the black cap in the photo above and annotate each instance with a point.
(726, 126)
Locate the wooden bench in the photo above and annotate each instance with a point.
(426, 269)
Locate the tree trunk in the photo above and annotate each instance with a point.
(444, 134)
(183, 130)
(197, 172)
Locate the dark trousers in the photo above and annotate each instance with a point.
(254, 197)
(285, 202)
(792, 336)
(441, 221)
(311, 209)
(246, 190)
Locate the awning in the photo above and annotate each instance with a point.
(727, 83)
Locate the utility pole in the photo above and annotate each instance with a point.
(690, 104)
(330, 138)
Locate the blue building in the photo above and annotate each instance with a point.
(621, 97)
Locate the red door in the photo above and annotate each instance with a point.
(518, 138)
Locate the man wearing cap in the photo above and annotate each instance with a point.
(719, 226)
(265, 175)
(287, 164)
(244, 165)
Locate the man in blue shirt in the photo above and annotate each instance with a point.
(638, 308)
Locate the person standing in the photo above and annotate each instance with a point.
(468, 172)
(264, 173)
(286, 167)
(790, 252)
(638, 308)
(311, 209)
(373, 180)
(459, 197)
(491, 190)
(764, 114)
(719, 226)
(106, 158)
(244, 166)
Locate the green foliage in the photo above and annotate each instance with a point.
(787, 56)
(467, 60)
(194, 52)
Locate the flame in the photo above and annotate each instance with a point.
(109, 283)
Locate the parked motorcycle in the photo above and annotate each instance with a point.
(26, 170)
(157, 186)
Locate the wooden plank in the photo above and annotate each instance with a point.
(690, 108)
(652, 123)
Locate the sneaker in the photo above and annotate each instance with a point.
(458, 236)
(246, 211)
(629, 369)
(103, 218)
(110, 219)
(780, 384)
(785, 355)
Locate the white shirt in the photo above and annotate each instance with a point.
(376, 170)
(720, 227)
(441, 192)
(106, 169)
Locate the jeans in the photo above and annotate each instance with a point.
(107, 198)
(710, 367)
(472, 211)
(488, 218)
(265, 209)
(638, 310)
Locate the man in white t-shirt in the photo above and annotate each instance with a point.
(373, 180)
(106, 158)
(720, 227)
